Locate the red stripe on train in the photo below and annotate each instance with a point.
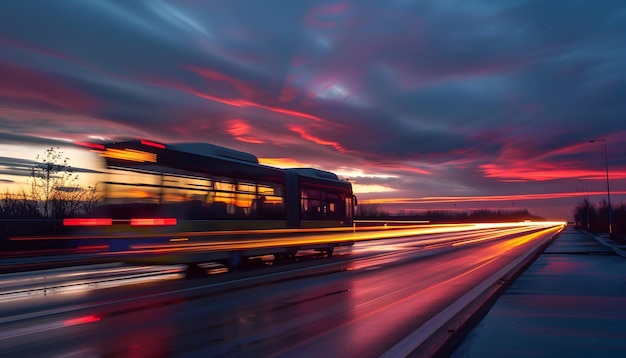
(153, 222)
(87, 222)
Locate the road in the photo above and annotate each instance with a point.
(360, 303)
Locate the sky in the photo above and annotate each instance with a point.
(422, 105)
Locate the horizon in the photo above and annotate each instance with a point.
(391, 206)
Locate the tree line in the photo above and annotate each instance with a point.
(595, 218)
(373, 211)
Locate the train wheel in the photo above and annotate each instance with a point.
(284, 256)
(330, 250)
(193, 270)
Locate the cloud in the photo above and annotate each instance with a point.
(430, 97)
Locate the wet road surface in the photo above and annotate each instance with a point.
(359, 308)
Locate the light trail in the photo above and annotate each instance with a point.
(378, 234)
(421, 334)
(255, 242)
(80, 280)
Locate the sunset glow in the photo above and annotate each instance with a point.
(487, 198)
(420, 105)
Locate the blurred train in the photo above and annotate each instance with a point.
(160, 189)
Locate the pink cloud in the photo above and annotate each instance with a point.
(243, 90)
(520, 172)
(518, 163)
(305, 135)
(485, 198)
(240, 130)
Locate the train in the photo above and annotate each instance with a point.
(163, 191)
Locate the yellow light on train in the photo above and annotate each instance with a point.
(130, 154)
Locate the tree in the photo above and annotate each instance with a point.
(56, 189)
(369, 211)
(18, 206)
(583, 214)
(50, 173)
(91, 199)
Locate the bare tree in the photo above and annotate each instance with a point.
(18, 205)
(370, 210)
(91, 199)
(54, 185)
(66, 201)
(74, 200)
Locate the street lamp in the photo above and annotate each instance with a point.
(586, 192)
(608, 190)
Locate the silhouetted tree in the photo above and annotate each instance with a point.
(446, 216)
(370, 211)
(18, 206)
(53, 191)
(583, 214)
(589, 217)
(50, 178)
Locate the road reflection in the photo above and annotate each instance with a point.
(396, 240)
(82, 279)
(361, 310)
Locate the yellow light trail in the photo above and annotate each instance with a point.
(384, 233)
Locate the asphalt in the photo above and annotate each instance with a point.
(570, 302)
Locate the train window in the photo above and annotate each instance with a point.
(246, 193)
(312, 208)
(197, 183)
(311, 194)
(172, 190)
(266, 189)
(321, 205)
(225, 193)
(224, 186)
(135, 177)
(133, 187)
(243, 203)
(272, 199)
(333, 204)
(246, 187)
(197, 188)
(132, 193)
(177, 188)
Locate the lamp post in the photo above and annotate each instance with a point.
(608, 190)
(586, 197)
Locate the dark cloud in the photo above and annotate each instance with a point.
(439, 97)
